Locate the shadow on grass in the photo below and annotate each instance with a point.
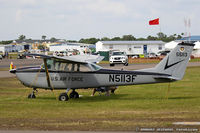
(96, 98)
(127, 97)
(46, 98)
(187, 97)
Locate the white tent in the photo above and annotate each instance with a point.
(196, 50)
(170, 45)
(197, 45)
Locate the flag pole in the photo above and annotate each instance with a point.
(159, 25)
(155, 22)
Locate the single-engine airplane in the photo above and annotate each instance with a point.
(76, 72)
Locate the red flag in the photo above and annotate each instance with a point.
(154, 22)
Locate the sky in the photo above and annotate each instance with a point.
(76, 19)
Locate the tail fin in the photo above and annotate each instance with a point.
(176, 61)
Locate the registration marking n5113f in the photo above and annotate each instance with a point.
(126, 78)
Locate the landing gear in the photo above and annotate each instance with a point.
(63, 97)
(74, 94)
(32, 95)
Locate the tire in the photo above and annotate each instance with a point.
(112, 64)
(30, 96)
(63, 97)
(74, 95)
(126, 64)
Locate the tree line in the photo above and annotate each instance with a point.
(160, 36)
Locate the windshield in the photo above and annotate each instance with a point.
(118, 53)
(95, 67)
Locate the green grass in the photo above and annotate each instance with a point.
(195, 60)
(131, 107)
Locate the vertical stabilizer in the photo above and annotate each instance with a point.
(176, 61)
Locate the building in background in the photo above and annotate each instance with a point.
(34, 44)
(131, 47)
(11, 48)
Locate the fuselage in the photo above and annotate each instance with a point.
(36, 77)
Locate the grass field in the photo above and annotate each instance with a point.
(131, 107)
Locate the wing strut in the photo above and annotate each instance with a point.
(47, 73)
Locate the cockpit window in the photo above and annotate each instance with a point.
(66, 66)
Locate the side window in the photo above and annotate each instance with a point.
(63, 66)
(50, 64)
(73, 67)
(84, 68)
(57, 65)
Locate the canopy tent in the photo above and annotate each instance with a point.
(170, 45)
(197, 45)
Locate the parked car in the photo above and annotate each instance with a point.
(60, 53)
(118, 57)
(135, 56)
(151, 55)
(162, 54)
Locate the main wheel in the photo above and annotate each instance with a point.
(30, 96)
(74, 94)
(63, 97)
(112, 64)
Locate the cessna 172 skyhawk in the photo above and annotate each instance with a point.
(75, 72)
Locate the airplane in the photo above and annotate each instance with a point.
(80, 72)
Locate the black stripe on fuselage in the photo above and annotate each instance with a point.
(186, 44)
(101, 71)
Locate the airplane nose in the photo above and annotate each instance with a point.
(13, 71)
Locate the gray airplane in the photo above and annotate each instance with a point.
(77, 72)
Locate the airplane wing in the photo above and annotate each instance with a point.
(83, 59)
